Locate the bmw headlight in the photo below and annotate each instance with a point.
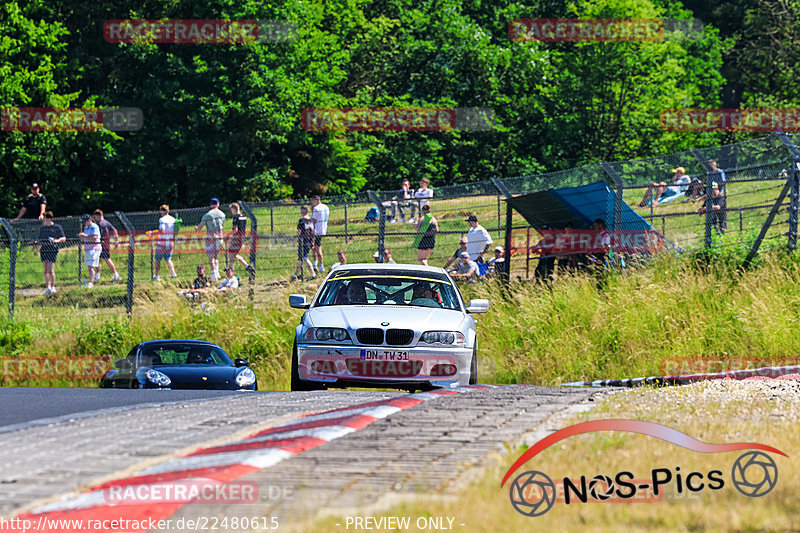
(442, 337)
(158, 378)
(326, 334)
(246, 377)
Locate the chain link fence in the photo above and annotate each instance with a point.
(759, 184)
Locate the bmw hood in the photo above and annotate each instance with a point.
(373, 316)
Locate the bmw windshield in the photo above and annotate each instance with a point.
(386, 287)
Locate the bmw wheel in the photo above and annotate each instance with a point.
(473, 367)
(297, 383)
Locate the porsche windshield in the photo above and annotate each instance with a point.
(183, 354)
(382, 289)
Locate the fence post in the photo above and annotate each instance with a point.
(381, 223)
(502, 189)
(498, 215)
(253, 243)
(618, 185)
(12, 266)
(271, 222)
(346, 226)
(794, 180)
(707, 202)
(131, 260)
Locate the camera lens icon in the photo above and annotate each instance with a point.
(532, 493)
(754, 474)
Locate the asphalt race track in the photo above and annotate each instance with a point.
(63, 444)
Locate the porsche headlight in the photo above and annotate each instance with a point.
(326, 334)
(442, 337)
(246, 377)
(158, 378)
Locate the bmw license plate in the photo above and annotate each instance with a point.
(384, 355)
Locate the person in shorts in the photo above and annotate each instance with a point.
(107, 230)
(427, 227)
(50, 236)
(236, 237)
(305, 239)
(166, 242)
(90, 237)
(214, 222)
(320, 214)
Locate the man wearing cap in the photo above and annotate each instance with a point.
(466, 269)
(496, 261)
(659, 192)
(478, 239)
(719, 215)
(214, 221)
(34, 205)
(90, 237)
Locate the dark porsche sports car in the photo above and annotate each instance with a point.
(180, 364)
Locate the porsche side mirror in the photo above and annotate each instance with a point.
(298, 301)
(122, 364)
(478, 306)
(241, 362)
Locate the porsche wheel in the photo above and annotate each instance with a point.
(297, 383)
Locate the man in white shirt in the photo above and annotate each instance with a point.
(422, 197)
(320, 215)
(166, 241)
(478, 239)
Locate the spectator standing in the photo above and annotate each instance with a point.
(719, 212)
(717, 174)
(466, 269)
(90, 237)
(305, 240)
(107, 230)
(50, 236)
(166, 241)
(214, 222)
(462, 247)
(320, 215)
(478, 239)
(237, 236)
(342, 256)
(422, 197)
(427, 227)
(34, 205)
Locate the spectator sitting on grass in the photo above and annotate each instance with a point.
(200, 284)
(466, 269)
(658, 192)
(462, 247)
(497, 261)
(231, 281)
(387, 256)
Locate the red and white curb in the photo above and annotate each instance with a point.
(211, 466)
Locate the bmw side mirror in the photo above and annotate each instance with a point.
(241, 362)
(298, 301)
(478, 306)
(122, 364)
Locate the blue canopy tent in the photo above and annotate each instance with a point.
(577, 207)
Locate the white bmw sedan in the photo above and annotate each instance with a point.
(385, 325)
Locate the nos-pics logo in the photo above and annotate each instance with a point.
(533, 493)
